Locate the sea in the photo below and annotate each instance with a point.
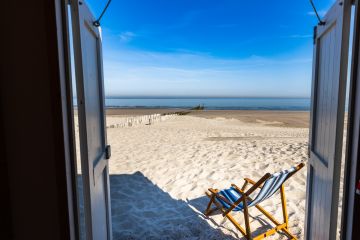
(285, 104)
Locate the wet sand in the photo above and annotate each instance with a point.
(296, 119)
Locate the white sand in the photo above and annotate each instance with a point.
(159, 174)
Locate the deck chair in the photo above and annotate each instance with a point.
(240, 199)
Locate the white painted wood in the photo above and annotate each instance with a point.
(138, 120)
(92, 130)
(66, 105)
(350, 218)
(327, 114)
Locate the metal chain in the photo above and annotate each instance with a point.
(316, 13)
(97, 22)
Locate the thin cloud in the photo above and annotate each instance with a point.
(194, 60)
(300, 36)
(321, 13)
(135, 73)
(126, 36)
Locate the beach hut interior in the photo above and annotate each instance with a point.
(74, 168)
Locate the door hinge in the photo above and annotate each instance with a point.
(108, 151)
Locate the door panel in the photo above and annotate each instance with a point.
(90, 94)
(94, 113)
(325, 102)
(101, 229)
(327, 114)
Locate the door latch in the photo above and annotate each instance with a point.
(108, 151)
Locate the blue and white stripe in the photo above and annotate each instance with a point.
(232, 196)
(270, 186)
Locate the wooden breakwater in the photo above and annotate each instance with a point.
(143, 120)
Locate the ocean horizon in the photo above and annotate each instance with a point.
(210, 103)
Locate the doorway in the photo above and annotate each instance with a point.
(202, 137)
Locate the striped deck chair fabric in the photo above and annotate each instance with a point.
(270, 187)
(240, 199)
(232, 196)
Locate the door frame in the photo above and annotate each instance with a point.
(351, 203)
(63, 43)
(64, 39)
(352, 164)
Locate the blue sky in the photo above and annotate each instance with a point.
(229, 48)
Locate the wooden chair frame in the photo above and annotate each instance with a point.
(214, 193)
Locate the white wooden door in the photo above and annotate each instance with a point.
(327, 120)
(94, 151)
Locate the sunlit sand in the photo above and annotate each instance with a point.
(159, 172)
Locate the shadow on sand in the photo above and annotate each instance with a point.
(141, 210)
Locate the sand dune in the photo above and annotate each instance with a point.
(159, 174)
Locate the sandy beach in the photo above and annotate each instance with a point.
(159, 173)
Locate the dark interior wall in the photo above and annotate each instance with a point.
(5, 219)
(33, 176)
